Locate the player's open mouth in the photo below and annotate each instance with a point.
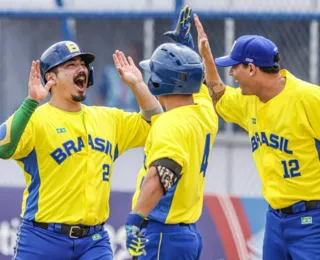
(80, 81)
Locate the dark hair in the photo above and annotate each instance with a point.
(271, 70)
(54, 70)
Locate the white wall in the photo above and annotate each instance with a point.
(230, 171)
(85, 5)
(120, 5)
(167, 5)
(28, 4)
(255, 5)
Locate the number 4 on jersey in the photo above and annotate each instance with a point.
(205, 157)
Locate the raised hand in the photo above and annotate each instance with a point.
(203, 42)
(36, 91)
(128, 71)
(213, 82)
(182, 34)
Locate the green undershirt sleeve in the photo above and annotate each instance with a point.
(12, 130)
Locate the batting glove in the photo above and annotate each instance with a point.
(182, 32)
(136, 241)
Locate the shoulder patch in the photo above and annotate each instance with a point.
(5, 136)
(3, 131)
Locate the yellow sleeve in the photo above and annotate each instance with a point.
(311, 103)
(203, 97)
(232, 107)
(168, 141)
(26, 143)
(132, 130)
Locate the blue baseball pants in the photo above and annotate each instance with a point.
(36, 243)
(172, 242)
(293, 236)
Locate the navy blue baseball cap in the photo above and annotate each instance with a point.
(250, 49)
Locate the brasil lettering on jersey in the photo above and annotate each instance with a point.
(70, 147)
(291, 166)
(271, 140)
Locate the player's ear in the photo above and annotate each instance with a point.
(50, 76)
(252, 69)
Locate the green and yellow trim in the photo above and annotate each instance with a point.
(7, 125)
(13, 128)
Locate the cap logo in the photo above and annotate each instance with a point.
(249, 60)
(233, 45)
(72, 47)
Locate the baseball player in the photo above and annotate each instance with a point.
(280, 114)
(67, 151)
(169, 193)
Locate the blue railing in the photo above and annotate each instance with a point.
(61, 14)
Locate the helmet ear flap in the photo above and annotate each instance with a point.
(155, 85)
(90, 76)
(154, 81)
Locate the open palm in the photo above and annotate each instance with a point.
(203, 42)
(128, 71)
(36, 91)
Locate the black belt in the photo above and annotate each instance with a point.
(145, 224)
(73, 231)
(312, 204)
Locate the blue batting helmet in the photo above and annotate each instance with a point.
(61, 52)
(174, 69)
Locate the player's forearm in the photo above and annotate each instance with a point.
(151, 193)
(145, 99)
(12, 130)
(213, 81)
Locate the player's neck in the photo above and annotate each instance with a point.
(173, 101)
(66, 105)
(271, 88)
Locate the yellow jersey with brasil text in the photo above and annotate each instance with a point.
(68, 157)
(285, 138)
(184, 134)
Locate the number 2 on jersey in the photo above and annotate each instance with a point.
(205, 157)
(291, 168)
(106, 172)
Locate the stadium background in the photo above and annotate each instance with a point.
(233, 218)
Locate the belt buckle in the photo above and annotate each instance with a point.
(73, 230)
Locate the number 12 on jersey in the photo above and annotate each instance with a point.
(291, 168)
(205, 157)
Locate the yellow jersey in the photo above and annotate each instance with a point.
(67, 159)
(285, 138)
(184, 134)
